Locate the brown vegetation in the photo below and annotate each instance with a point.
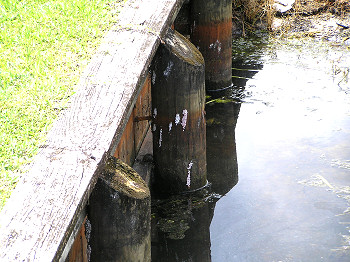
(337, 7)
(249, 15)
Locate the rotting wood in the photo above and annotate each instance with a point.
(178, 100)
(76, 247)
(143, 164)
(143, 107)
(41, 215)
(120, 215)
(142, 118)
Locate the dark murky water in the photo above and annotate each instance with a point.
(282, 133)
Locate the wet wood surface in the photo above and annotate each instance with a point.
(39, 219)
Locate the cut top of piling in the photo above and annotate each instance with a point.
(179, 46)
(124, 179)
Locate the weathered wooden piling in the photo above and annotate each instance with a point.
(182, 21)
(120, 215)
(211, 33)
(178, 101)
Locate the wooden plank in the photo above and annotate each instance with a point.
(143, 109)
(78, 252)
(43, 211)
(135, 130)
(128, 147)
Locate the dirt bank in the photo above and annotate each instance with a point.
(323, 19)
(320, 19)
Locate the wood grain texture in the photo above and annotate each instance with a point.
(137, 126)
(120, 214)
(78, 252)
(42, 213)
(178, 101)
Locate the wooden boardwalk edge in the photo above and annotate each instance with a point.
(43, 212)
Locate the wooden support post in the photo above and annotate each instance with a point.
(221, 145)
(120, 215)
(182, 22)
(178, 100)
(211, 33)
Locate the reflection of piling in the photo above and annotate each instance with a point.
(221, 145)
(182, 230)
(119, 212)
(178, 100)
(212, 33)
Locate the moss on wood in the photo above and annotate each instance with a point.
(122, 178)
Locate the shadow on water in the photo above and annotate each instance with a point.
(181, 228)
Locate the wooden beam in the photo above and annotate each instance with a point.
(137, 126)
(40, 217)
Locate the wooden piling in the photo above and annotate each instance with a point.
(120, 215)
(211, 33)
(178, 100)
(182, 21)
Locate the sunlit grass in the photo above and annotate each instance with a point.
(44, 47)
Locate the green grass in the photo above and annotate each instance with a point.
(44, 47)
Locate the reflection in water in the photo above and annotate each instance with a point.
(222, 112)
(180, 229)
(292, 199)
(222, 167)
(293, 134)
(181, 224)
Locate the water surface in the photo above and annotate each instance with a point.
(278, 149)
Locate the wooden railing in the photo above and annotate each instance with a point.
(47, 208)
